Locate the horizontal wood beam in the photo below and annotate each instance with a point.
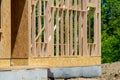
(92, 5)
(10, 68)
(4, 62)
(65, 61)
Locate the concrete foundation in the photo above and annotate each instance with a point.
(37, 74)
(75, 72)
(43, 74)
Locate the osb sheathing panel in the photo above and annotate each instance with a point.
(19, 62)
(6, 28)
(66, 62)
(19, 28)
(4, 62)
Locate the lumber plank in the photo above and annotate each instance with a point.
(80, 28)
(95, 33)
(52, 29)
(75, 28)
(85, 29)
(33, 31)
(46, 23)
(92, 5)
(67, 28)
(57, 31)
(71, 30)
(99, 26)
(29, 28)
(39, 25)
(62, 33)
(58, 62)
(16, 68)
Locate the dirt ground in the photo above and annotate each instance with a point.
(109, 72)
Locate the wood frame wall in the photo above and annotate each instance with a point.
(63, 20)
(65, 28)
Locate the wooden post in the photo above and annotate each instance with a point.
(85, 28)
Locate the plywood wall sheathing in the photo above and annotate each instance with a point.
(5, 44)
(65, 61)
(4, 62)
(19, 62)
(19, 28)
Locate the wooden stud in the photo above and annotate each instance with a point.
(75, 28)
(67, 28)
(85, 29)
(52, 29)
(39, 25)
(45, 20)
(33, 30)
(80, 27)
(29, 26)
(57, 3)
(95, 33)
(57, 32)
(71, 30)
(46, 32)
(62, 33)
(99, 27)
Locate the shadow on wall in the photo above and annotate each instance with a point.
(19, 28)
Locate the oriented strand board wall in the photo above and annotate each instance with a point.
(19, 28)
(60, 62)
(5, 44)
